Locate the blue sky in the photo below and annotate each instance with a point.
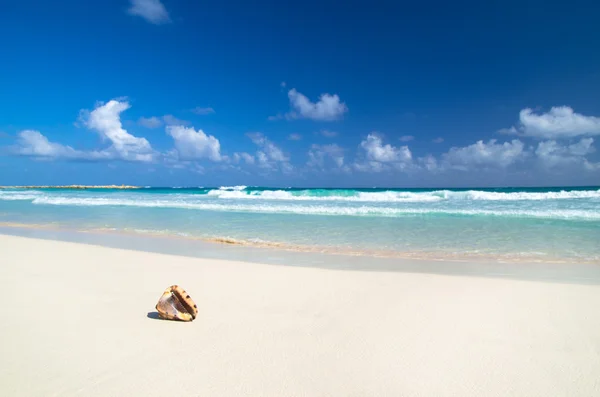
(173, 93)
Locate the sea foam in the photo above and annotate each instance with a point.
(398, 196)
(320, 209)
(564, 204)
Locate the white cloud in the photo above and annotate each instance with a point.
(406, 138)
(318, 155)
(482, 154)
(197, 168)
(371, 166)
(269, 156)
(150, 122)
(509, 131)
(169, 119)
(152, 11)
(33, 143)
(294, 137)
(263, 160)
(194, 145)
(203, 111)
(559, 122)
(105, 119)
(246, 157)
(377, 151)
(380, 157)
(327, 108)
(438, 140)
(273, 151)
(553, 154)
(429, 162)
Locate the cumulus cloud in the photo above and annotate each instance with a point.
(438, 140)
(429, 163)
(377, 151)
(375, 156)
(150, 122)
(189, 144)
(169, 119)
(105, 119)
(379, 157)
(294, 137)
(243, 156)
(406, 138)
(152, 11)
(481, 154)
(273, 151)
(269, 156)
(203, 111)
(33, 143)
(494, 155)
(552, 154)
(194, 145)
(155, 122)
(318, 156)
(327, 108)
(560, 122)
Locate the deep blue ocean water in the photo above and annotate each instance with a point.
(545, 224)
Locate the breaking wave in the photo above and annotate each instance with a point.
(558, 204)
(352, 195)
(234, 188)
(397, 196)
(382, 211)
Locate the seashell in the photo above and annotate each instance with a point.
(176, 304)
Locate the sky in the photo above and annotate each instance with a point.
(311, 94)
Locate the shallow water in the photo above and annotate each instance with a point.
(540, 224)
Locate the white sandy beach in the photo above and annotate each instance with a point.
(75, 322)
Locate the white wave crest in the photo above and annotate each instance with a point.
(517, 196)
(388, 196)
(407, 197)
(234, 188)
(391, 196)
(320, 209)
(9, 195)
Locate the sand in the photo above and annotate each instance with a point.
(78, 320)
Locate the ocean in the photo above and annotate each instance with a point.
(560, 224)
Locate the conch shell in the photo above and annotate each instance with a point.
(176, 304)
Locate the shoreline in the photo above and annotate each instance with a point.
(325, 250)
(578, 273)
(80, 320)
(516, 227)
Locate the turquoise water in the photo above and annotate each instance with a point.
(546, 224)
